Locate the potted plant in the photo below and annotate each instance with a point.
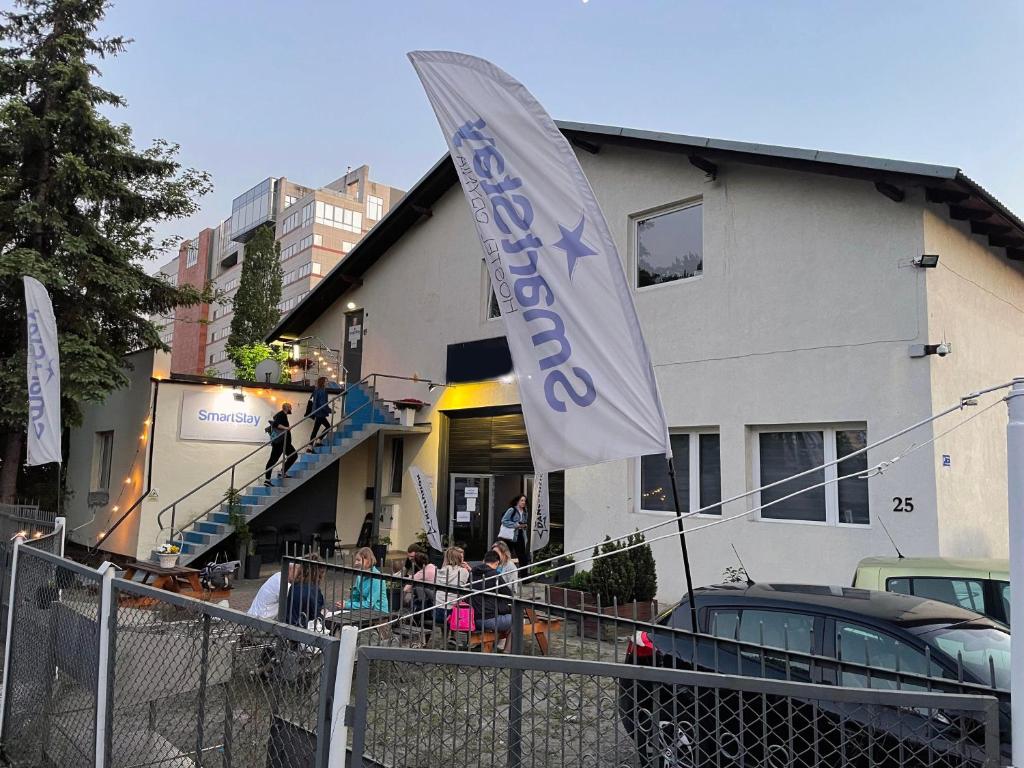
(622, 584)
(556, 571)
(167, 555)
(251, 562)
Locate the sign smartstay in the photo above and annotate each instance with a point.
(217, 416)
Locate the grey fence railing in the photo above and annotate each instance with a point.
(416, 707)
(43, 531)
(106, 672)
(569, 628)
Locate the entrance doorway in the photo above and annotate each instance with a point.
(471, 513)
(352, 357)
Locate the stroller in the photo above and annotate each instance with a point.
(218, 575)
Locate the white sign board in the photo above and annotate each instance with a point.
(217, 416)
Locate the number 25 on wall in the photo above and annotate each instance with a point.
(903, 504)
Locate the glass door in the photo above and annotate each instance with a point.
(470, 521)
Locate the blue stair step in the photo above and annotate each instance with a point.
(207, 527)
(195, 537)
(220, 517)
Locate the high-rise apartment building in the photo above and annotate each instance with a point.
(165, 323)
(316, 228)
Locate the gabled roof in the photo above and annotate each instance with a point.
(967, 200)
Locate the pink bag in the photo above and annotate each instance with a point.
(462, 618)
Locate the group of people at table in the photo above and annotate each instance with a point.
(492, 611)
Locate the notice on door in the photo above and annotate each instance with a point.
(471, 504)
(463, 516)
(472, 492)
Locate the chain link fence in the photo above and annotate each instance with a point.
(50, 693)
(113, 673)
(217, 687)
(419, 708)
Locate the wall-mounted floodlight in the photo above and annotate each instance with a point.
(923, 350)
(238, 394)
(927, 261)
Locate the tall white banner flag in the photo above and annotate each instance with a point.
(541, 533)
(43, 376)
(425, 493)
(585, 377)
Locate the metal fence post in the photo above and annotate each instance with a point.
(1015, 508)
(60, 524)
(282, 593)
(338, 737)
(204, 666)
(10, 628)
(103, 692)
(515, 691)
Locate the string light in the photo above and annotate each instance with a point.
(115, 508)
(128, 481)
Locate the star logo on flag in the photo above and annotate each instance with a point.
(573, 245)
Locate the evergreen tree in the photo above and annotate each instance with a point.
(259, 291)
(78, 202)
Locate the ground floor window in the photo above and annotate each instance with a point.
(782, 453)
(698, 467)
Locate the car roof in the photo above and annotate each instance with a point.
(938, 566)
(844, 602)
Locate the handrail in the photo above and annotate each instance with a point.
(231, 467)
(262, 472)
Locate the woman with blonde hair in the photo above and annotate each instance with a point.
(367, 591)
(452, 573)
(506, 567)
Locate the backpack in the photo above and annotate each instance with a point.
(462, 618)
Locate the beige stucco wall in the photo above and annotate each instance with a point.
(124, 411)
(178, 466)
(976, 302)
(803, 316)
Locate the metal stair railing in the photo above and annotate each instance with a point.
(232, 488)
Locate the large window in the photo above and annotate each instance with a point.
(779, 454)
(338, 217)
(698, 467)
(670, 246)
(102, 455)
(374, 207)
(192, 257)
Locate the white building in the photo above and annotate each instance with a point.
(779, 296)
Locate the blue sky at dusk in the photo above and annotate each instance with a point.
(304, 89)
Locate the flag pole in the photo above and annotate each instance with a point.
(682, 544)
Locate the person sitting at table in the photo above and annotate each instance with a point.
(420, 597)
(506, 566)
(492, 611)
(454, 572)
(264, 605)
(305, 601)
(368, 592)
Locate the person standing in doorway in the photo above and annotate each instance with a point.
(280, 443)
(320, 412)
(514, 524)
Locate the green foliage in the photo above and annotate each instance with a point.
(248, 356)
(78, 203)
(580, 580)
(624, 575)
(613, 577)
(259, 291)
(237, 519)
(211, 372)
(645, 586)
(77, 206)
(734, 574)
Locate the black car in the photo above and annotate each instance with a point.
(813, 634)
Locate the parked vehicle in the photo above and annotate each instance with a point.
(813, 634)
(978, 585)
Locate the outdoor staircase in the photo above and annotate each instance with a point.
(365, 415)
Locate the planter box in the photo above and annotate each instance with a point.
(562, 573)
(253, 563)
(595, 627)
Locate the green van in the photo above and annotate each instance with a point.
(982, 586)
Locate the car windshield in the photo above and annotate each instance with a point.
(983, 650)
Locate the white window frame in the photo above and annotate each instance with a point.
(635, 220)
(831, 472)
(374, 207)
(694, 470)
(99, 465)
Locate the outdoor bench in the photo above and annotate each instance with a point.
(534, 624)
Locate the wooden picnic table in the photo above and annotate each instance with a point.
(357, 617)
(170, 579)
